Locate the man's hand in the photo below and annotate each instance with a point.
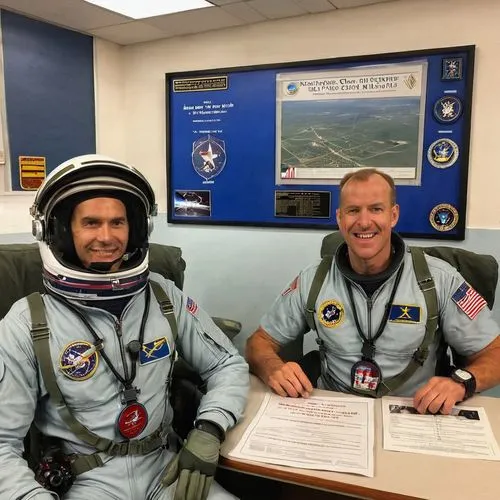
(290, 380)
(439, 395)
(194, 466)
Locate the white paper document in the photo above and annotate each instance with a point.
(466, 433)
(320, 433)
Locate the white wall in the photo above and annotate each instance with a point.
(387, 27)
(238, 271)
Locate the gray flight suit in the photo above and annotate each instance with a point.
(403, 332)
(94, 396)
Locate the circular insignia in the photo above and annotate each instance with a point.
(79, 360)
(209, 156)
(444, 217)
(447, 109)
(331, 313)
(292, 88)
(443, 153)
(132, 420)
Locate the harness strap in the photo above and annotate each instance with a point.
(82, 463)
(428, 287)
(319, 278)
(426, 284)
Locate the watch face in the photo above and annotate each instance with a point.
(462, 374)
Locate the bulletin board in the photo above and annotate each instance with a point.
(268, 145)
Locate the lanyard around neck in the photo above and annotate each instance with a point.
(368, 349)
(127, 380)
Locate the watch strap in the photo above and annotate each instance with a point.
(212, 428)
(470, 384)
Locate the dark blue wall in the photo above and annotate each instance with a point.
(49, 91)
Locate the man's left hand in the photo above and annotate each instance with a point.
(439, 395)
(194, 466)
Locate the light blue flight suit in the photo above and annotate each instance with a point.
(96, 401)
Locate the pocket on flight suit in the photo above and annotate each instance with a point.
(216, 342)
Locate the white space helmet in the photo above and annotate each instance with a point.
(72, 182)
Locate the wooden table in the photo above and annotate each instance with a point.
(397, 475)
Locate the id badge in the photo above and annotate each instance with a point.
(365, 376)
(132, 420)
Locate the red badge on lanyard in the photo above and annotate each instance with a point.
(132, 420)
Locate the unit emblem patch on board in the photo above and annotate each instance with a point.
(447, 109)
(443, 217)
(443, 153)
(209, 156)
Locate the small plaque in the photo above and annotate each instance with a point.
(200, 84)
(192, 203)
(32, 172)
(305, 204)
(452, 68)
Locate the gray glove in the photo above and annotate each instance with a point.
(194, 466)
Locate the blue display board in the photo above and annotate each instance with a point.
(49, 96)
(268, 145)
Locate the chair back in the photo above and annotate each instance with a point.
(21, 270)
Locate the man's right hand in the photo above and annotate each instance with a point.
(290, 380)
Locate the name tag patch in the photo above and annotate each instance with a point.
(154, 350)
(404, 314)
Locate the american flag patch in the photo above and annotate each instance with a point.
(293, 286)
(468, 300)
(191, 306)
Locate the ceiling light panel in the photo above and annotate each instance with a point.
(149, 8)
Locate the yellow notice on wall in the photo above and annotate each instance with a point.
(32, 172)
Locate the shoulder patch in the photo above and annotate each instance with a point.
(191, 306)
(292, 287)
(468, 300)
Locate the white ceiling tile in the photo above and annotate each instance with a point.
(277, 8)
(194, 21)
(314, 6)
(243, 11)
(345, 4)
(129, 33)
(75, 14)
(88, 18)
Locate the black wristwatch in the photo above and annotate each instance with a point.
(212, 428)
(467, 379)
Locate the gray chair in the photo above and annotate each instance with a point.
(21, 266)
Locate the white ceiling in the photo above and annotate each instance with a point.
(87, 18)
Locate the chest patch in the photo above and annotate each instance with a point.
(331, 313)
(153, 351)
(404, 314)
(79, 360)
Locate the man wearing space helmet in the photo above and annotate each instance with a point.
(90, 361)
